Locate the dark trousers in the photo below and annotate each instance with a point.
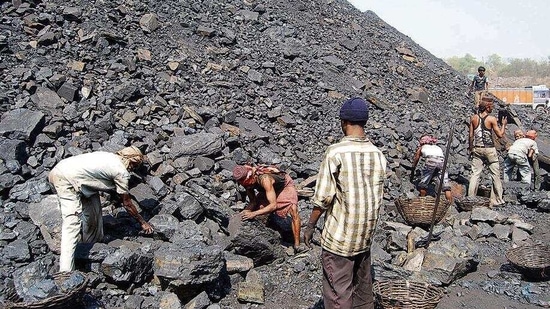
(347, 281)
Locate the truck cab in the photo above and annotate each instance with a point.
(541, 97)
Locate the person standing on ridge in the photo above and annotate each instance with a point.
(479, 85)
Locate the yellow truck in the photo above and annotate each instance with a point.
(535, 96)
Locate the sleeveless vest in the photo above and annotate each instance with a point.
(483, 137)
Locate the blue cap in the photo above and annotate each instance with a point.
(355, 109)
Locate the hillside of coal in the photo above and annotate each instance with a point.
(201, 86)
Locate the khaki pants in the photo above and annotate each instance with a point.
(489, 157)
(478, 95)
(80, 214)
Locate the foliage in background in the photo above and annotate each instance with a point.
(512, 72)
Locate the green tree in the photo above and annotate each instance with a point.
(465, 65)
(495, 63)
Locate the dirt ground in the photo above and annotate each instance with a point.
(495, 264)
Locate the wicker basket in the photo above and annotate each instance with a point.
(533, 261)
(405, 294)
(68, 300)
(418, 211)
(470, 202)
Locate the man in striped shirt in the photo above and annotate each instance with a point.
(349, 191)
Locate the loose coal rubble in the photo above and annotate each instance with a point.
(203, 86)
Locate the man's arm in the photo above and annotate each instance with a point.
(530, 153)
(499, 131)
(471, 135)
(271, 195)
(251, 199)
(416, 158)
(131, 209)
(310, 228)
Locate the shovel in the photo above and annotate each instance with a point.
(425, 243)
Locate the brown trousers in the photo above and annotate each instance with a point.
(347, 281)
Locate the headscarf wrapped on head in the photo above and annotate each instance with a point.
(129, 155)
(242, 173)
(426, 139)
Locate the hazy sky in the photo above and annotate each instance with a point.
(511, 29)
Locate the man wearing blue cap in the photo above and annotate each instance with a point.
(349, 190)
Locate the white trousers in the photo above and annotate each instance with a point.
(80, 215)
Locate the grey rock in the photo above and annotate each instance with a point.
(46, 215)
(519, 235)
(502, 231)
(335, 61)
(206, 31)
(189, 232)
(13, 150)
(254, 240)
(48, 101)
(204, 164)
(128, 266)
(149, 22)
(17, 251)
(188, 206)
(72, 13)
(251, 129)
(255, 76)
(200, 301)
(30, 191)
(145, 196)
(249, 15)
(196, 144)
(169, 301)
(94, 253)
(484, 214)
(9, 180)
(187, 268)
(21, 123)
(165, 225)
(67, 91)
(158, 186)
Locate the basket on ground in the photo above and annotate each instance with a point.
(405, 294)
(67, 300)
(418, 211)
(533, 261)
(468, 203)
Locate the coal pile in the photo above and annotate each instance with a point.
(201, 86)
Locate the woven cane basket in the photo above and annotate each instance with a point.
(533, 261)
(61, 301)
(470, 202)
(405, 294)
(418, 211)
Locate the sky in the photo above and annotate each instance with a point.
(446, 28)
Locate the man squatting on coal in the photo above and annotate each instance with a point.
(77, 181)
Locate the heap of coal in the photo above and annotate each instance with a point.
(201, 86)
